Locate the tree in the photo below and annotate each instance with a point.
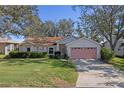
(49, 28)
(79, 31)
(19, 20)
(105, 21)
(65, 27)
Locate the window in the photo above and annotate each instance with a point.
(50, 50)
(28, 49)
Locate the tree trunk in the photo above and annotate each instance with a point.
(112, 46)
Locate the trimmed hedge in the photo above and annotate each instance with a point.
(17, 54)
(107, 54)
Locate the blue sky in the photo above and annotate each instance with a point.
(54, 13)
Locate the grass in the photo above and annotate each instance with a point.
(36, 73)
(2, 56)
(118, 62)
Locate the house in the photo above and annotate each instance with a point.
(7, 45)
(73, 47)
(61, 44)
(119, 50)
(83, 48)
(40, 44)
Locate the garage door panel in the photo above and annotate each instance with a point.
(83, 53)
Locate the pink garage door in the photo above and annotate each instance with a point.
(83, 53)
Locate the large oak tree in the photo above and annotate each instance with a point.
(105, 21)
(19, 20)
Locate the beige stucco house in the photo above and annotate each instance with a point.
(7, 46)
(37, 44)
(73, 47)
(83, 48)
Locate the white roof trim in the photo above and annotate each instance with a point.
(85, 39)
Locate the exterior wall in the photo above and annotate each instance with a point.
(62, 49)
(33, 48)
(61, 44)
(2, 48)
(83, 43)
(118, 50)
(8, 48)
(54, 48)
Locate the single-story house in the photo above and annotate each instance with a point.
(7, 46)
(119, 50)
(83, 48)
(75, 48)
(37, 44)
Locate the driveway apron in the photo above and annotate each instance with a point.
(96, 74)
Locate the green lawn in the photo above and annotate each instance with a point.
(36, 73)
(118, 62)
(2, 56)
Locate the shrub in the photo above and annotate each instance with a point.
(51, 56)
(57, 54)
(17, 54)
(106, 54)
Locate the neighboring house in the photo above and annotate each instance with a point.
(75, 48)
(119, 50)
(43, 44)
(7, 46)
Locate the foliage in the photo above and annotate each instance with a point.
(64, 27)
(17, 54)
(103, 21)
(2, 56)
(39, 72)
(49, 28)
(107, 54)
(57, 54)
(117, 62)
(51, 56)
(19, 20)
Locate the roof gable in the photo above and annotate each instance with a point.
(67, 40)
(84, 39)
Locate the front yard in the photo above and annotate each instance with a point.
(118, 62)
(40, 72)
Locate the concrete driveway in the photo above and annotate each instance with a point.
(95, 73)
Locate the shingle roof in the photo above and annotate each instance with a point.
(42, 40)
(5, 40)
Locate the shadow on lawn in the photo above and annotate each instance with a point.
(22, 61)
(53, 62)
(65, 64)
